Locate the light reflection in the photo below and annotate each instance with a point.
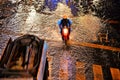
(31, 16)
(14, 1)
(31, 21)
(63, 9)
(96, 1)
(66, 66)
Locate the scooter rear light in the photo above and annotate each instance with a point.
(65, 31)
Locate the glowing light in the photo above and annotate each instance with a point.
(65, 31)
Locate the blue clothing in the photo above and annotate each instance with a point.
(61, 23)
(68, 24)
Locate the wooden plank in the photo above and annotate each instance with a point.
(115, 73)
(80, 71)
(97, 70)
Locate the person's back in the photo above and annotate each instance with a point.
(65, 22)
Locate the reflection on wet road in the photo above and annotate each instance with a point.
(66, 63)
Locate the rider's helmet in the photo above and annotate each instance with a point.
(64, 16)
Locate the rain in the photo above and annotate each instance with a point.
(91, 19)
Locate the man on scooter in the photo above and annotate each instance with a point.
(64, 22)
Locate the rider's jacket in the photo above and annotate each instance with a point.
(64, 22)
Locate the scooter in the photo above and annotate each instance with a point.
(65, 34)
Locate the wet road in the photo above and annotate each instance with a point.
(65, 63)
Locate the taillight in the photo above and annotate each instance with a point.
(65, 31)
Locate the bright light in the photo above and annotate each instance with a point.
(65, 31)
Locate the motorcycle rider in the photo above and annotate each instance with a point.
(64, 22)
